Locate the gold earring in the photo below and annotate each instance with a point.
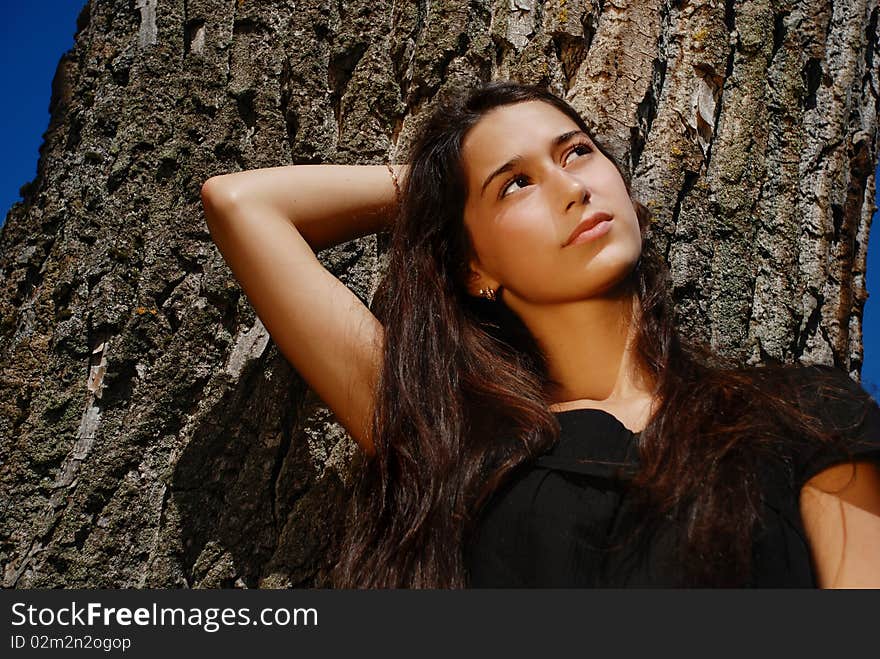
(488, 293)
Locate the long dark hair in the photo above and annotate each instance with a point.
(463, 400)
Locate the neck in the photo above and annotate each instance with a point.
(588, 345)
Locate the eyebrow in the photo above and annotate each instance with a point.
(510, 164)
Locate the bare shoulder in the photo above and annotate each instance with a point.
(840, 509)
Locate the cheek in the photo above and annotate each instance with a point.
(526, 218)
(611, 180)
(519, 243)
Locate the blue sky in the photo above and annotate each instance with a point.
(34, 35)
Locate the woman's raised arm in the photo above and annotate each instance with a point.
(328, 204)
(268, 224)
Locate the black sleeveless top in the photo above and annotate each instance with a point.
(560, 521)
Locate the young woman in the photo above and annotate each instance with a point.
(527, 412)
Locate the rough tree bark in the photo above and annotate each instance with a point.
(150, 432)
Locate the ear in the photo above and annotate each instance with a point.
(478, 278)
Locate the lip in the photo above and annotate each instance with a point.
(589, 227)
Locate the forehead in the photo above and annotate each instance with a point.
(523, 129)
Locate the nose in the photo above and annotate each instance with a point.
(572, 188)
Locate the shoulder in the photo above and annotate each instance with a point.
(838, 481)
(839, 408)
(840, 509)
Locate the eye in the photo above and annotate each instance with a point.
(583, 146)
(518, 177)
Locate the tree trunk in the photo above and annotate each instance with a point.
(152, 435)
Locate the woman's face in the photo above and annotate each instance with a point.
(521, 220)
